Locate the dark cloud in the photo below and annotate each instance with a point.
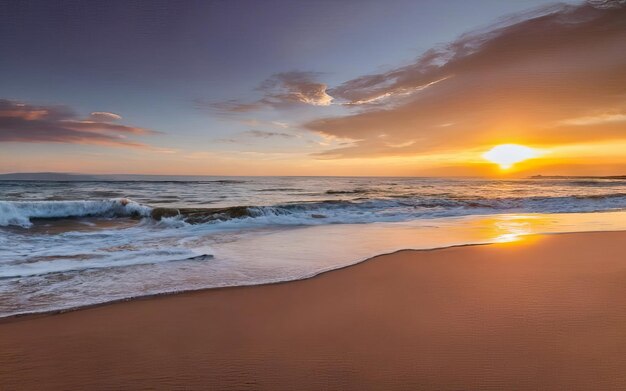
(26, 123)
(554, 75)
(279, 91)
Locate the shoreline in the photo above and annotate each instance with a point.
(544, 312)
(29, 315)
(249, 257)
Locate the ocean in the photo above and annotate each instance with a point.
(67, 244)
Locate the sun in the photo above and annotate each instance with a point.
(506, 155)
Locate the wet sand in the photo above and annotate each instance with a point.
(542, 313)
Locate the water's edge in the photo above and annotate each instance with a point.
(37, 314)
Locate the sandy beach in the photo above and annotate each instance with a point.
(540, 313)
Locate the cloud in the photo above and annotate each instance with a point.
(509, 82)
(105, 116)
(384, 97)
(26, 123)
(262, 134)
(280, 124)
(594, 120)
(265, 134)
(281, 90)
(232, 106)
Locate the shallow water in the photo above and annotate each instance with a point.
(68, 244)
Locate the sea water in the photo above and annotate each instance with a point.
(66, 244)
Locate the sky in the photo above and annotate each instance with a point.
(398, 88)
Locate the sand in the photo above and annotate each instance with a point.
(543, 313)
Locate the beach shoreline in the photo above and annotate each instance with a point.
(59, 311)
(426, 317)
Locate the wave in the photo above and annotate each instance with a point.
(361, 210)
(83, 262)
(597, 183)
(354, 191)
(20, 213)
(280, 189)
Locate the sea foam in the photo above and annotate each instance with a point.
(20, 213)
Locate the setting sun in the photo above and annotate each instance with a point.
(506, 155)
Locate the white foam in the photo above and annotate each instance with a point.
(95, 259)
(19, 213)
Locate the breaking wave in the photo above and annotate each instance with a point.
(361, 210)
(20, 213)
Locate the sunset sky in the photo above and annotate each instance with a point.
(312, 87)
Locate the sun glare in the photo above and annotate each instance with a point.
(506, 155)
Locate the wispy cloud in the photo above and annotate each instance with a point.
(104, 116)
(27, 123)
(258, 134)
(396, 92)
(266, 134)
(279, 91)
(594, 120)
